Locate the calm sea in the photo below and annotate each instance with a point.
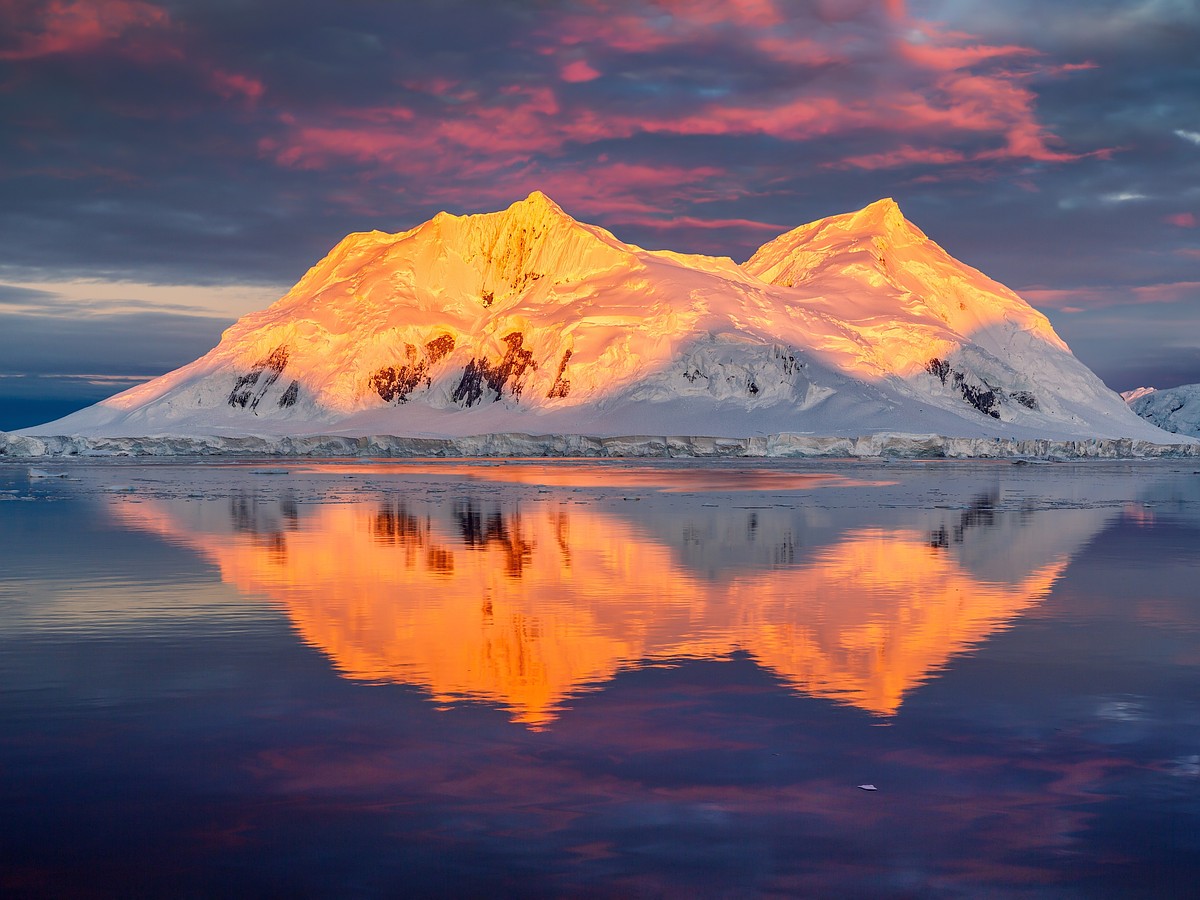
(599, 678)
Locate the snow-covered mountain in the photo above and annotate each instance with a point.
(527, 320)
(1174, 409)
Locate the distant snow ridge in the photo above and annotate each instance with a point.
(528, 321)
(1136, 393)
(1171, 409)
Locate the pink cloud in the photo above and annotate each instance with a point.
(758, 13)
(233, 84)
(945, 57)
(799, 51)
(1189, 252)
(1078, 299)
(578, 71)
(1183, 220)
(901, 156)
(1068, 300)
(939, 100)
(1173, 292)
(312, 147)
(73, 26)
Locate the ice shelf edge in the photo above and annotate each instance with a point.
(886, 445)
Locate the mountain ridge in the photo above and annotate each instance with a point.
(1176, 410)
(526, 319)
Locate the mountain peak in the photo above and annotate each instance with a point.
(537, 200)
(792, 257)
(536, 207)
(511, 250)
(883, 214)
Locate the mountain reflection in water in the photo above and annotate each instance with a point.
(522, 603)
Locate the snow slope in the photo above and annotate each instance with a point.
(1174, 409)
(526, 320)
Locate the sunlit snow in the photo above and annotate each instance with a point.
(527, 321)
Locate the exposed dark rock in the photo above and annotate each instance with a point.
(561, 386)
(1025, 398)
(788, 361)
(240, 395)
(980, 397)
(938, 367)
(470, 386)
(276, 360)
(290, 395)
(439, 348)
(395, 383)
(480, 372)
(244, 385)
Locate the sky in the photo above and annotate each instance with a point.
(166, 167)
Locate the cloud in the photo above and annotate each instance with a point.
(945, 89)
(221, 143)
(232, 84)
(83, 298)
(1174, 292)
(901, 156)
(1182, 220)
(1093, 298)
(38, 29)
(125, 345)
(579, 70)
(16, 295)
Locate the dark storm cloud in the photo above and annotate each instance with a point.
(1057, 147)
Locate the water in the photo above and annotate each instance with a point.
(535, 678)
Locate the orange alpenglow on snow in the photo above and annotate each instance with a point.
(526, 320)
(523, 608)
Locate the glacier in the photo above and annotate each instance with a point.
(795, 446)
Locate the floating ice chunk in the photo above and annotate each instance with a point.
(42, 473)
